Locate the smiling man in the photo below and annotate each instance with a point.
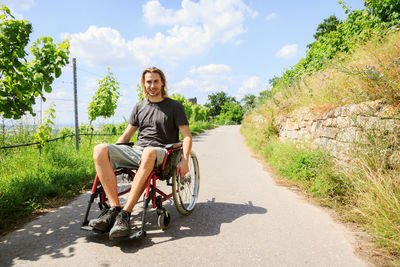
(159, 120)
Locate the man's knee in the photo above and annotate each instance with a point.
(149, 154)
(99, 152)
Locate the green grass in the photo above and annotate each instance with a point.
(367, 192)
(29, 182)
(311, 169)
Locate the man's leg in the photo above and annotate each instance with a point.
(122, 223)
(147, 162)
(106, 173)
(109, 182)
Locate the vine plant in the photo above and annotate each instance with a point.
(105, 100)
(43, 132)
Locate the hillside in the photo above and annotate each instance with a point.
(365, 188)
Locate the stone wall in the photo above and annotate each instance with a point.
(339, 128)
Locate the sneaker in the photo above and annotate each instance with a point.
(106, 219)
(122, 225)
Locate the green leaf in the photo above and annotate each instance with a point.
(35, 70)
(47, 88)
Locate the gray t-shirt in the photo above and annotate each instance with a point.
(158, 122)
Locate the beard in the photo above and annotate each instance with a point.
(156, 93)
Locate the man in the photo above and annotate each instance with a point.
(159, 120)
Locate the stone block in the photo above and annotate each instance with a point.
(368, 123)
(338, 112)
(343, 122)
(305, 123)
(367, 108)
(350, 109)
(321, 142)
(303, 133)
(347, 135)
(328, 114)
(330, 122)
(328, 132)
(292, 125)
(315, 127)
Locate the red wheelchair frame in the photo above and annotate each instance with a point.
(166, 172)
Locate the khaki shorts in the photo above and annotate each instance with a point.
(124, 156)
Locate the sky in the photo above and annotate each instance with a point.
(202, 46)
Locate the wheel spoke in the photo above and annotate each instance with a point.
(186, 188)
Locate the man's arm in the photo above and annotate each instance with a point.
(127, 135)
(183, 165)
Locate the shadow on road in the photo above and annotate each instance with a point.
(56, 233)
(205, 220)
(200, 137)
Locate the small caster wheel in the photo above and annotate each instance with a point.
(141, 234)
(164, 219)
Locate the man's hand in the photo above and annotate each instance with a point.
(182, 168)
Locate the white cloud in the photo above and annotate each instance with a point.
(219, 13)
(270, 16)
(194, 28)
(91, 86)
(56, 95)
(210, 70)
(99, 46)
(208, 78)
(288, 51)
(251, 85)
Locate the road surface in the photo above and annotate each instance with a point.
(242, 219)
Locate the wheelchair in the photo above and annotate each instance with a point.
(185, 189)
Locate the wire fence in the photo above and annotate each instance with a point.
(55, 139)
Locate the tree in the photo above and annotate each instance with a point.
(274, 81)
(105, 100)
(328, 25)
(187, 105)
(249, 102)
(22, 80)
(200, 113)
(263, 96)
(216, 101)
(231, 113)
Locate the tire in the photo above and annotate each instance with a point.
(164, 219)
(186, 189)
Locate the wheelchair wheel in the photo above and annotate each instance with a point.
(163, 219)
(186, 189)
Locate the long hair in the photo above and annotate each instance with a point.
(162, 76)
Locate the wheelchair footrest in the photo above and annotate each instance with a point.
(141, 234)
(87, 228)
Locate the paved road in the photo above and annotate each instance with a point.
(242, 219)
